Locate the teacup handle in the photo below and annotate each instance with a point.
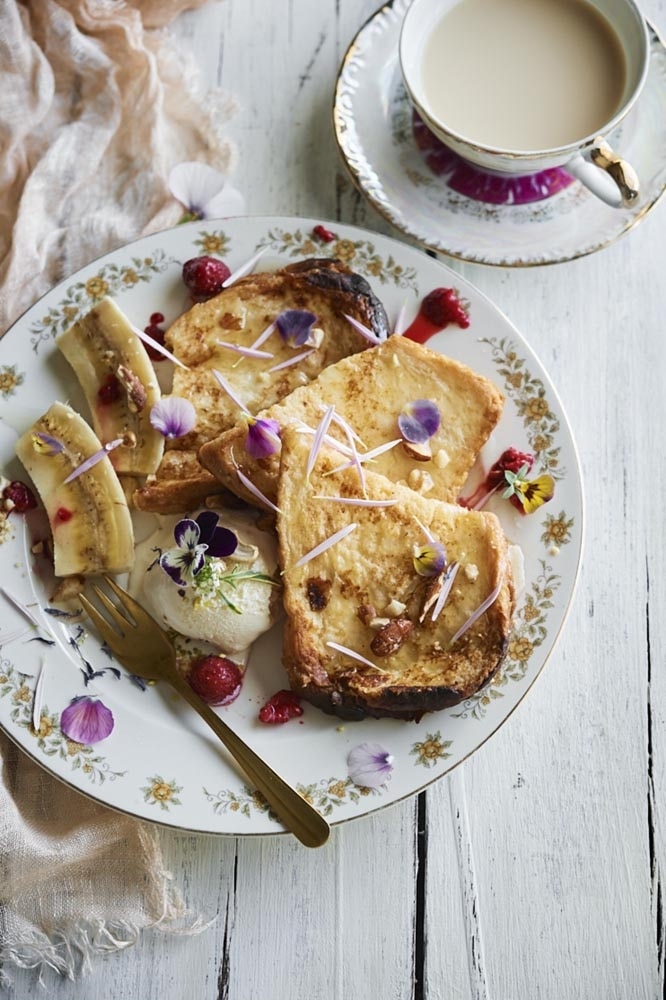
(607, 176)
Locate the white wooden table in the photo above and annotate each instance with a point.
(537, 869)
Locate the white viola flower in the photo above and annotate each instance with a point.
(204, 191)
(369, 765)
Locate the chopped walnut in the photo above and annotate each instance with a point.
(136, 393)
(421, 481)
(396, 608)
(366, 613)
(442, 458)
(391, 637)
(471, 572)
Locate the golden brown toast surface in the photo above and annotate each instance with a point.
(239, 315)
(365, 586)
(369, 391)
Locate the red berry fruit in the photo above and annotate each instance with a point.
(442, 306)
(510, 460)
(282, 707)
(216, 679)
(324, 234)
(20, 496)
(204, 276)
(157, 333)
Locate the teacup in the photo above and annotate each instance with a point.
(519, 86)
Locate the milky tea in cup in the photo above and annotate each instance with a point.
(517, 86)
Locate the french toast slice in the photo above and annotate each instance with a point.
(363, 593)
(239, 315)
(369, 391)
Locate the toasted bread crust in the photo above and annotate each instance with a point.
(371, 568)
(369, 390)
(238, 315)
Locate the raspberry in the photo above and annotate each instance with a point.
(156, 318)
(204, 276)
(282, 707)
(442, 306)
(20, 496)
(216, 679)
(110, 390)
(324, 234)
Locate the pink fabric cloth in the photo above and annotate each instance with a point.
(97, 103)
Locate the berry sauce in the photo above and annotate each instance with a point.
(439, 308)
(109, 391)
(283, 706)
(511, 460)
(20, 495)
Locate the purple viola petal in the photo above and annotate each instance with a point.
(263, 437)
(295, 325)
(369, 765)
(170, 562)
(223, 543)
(45, 444)
(173, 416)
(429, 559)
(186, 533)
(86, 721)
(419, 421)
(207, 521)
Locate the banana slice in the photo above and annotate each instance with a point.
(119, 383)
(89, 517)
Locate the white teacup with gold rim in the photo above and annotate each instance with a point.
(518, 86)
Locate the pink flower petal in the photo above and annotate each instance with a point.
(369, 765)
(86, 720)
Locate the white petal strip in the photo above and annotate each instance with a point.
(352, 654)
(367, 456)
(292, 361)
(328, 440)
(158, 347)
(446, 590)
(244, 269)
(37, 702)
(363, 330)
(255, 491)
(483, 607)
(358, 501)
(229, 391)
(21, 607)
(428, 534)
(263, 337)
(247, 352)
(11, 636)
(400, 324)
(342, 424)
(326, 544)
(320, 434)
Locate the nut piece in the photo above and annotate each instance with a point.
(391, 637)
(365, 613)
(419, 452)
(136, 393)
(68, 588)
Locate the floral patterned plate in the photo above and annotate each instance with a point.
(160, 762)
(403, 176)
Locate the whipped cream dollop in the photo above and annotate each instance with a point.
(229, 602)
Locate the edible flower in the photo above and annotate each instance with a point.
(532, 493)
(419, 421)
(173, 416)
(204, 192)
(86, 721)
(45, 444)
(263, 436)
(369, 765)
(195, 540)
(295, 326)
(128, 440)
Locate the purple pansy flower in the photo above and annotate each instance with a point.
(429, 559)
(263, 437)
(295, 326)
(173, 416)
(86, 720)
(369, 765)
(195, 540)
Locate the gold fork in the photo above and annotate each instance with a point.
(144, 648)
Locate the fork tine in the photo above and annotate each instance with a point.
(108, 633)
(139, 614)
(117, 618)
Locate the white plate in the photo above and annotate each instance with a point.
(373, 125)
(160, 763)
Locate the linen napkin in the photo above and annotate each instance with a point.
(96, 105)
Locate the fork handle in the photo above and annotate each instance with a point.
(308, 825)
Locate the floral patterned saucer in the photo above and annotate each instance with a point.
(447, 211)
(160, 762)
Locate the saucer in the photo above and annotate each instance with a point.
(374, 129)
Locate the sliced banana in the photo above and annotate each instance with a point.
(119, 383)
(89, 517)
